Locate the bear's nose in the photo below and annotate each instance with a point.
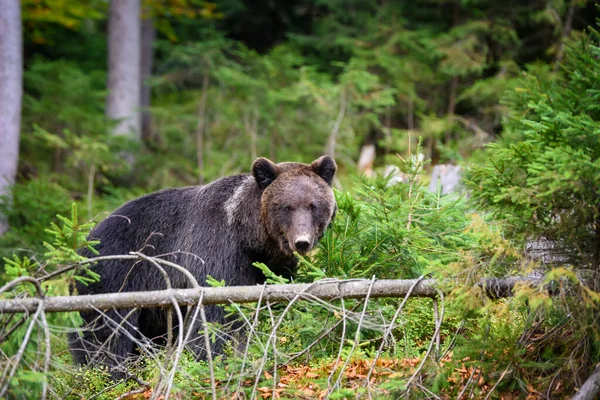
(302, 243)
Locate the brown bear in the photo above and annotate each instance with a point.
(219, 229)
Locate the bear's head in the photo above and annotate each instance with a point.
(297, 202)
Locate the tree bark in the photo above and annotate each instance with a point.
(332, 140)
(11, 92)
(124, 53)
(596, 260)
(453, 90)
(201, 127)
(251, 125)
(591, 387)
(451, 105)
(327, 290)
(147, 59)
(567, 27)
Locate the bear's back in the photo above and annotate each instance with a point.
(191, 226)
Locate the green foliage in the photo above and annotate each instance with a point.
(61, 251)
(392, 231)
(61, 95)
(272, 278)
(34, 206)
(71, 237)
(63, 115)
(371, 72)
(541, 181)
(95, 382)
(546, 183)
(45, 17)
(68, 236)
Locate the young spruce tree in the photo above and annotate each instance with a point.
(544, 176)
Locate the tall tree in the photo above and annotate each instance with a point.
(124, 53)
(11, 90)
(147, 58)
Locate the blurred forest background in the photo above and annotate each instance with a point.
(223, 82)
(121, 98)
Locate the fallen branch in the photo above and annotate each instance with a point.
(590, 388)
(497, 288)
(326, 289)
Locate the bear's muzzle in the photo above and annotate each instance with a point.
(303, 243)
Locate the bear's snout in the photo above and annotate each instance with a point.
(303, 243)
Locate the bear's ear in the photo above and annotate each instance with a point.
(264, 171)
(325, 167)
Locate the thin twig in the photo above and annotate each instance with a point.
(252, 328)
(22, 279)
(6, 378)
(466, 386)
(341, 348)
(274, 392)
(388, 331)
(498, 381)
(132, 256)
(208, 352)
(47, 353)
(178, 353)
(436, 318)
(437, 332)
(14, 327)
(273, 334)
(356, 337)
(131, 393)
(317, 340)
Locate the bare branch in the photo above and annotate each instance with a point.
(6, 378)
(327, 290)
(324, 290)
(590, 389)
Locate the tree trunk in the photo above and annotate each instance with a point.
(148, 36)
(590, 388)
(332, 140)
(11, 90)
(201, 127)
(454, 81)
(596, 260)
(251, 125)
(326, 289)
(567, 27)
(124, 52)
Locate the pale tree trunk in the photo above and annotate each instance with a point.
(124, 52)
(251, 125)
(148, 36)
(332, 140)
(200, 127)
(454, 81)
(567, 27)
(11, 90)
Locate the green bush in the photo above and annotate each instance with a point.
(543, 179)
(392, 231)
(34, 206)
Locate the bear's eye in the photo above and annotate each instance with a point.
(287, 209)
(313, 207)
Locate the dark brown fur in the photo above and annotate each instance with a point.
(219, 229)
